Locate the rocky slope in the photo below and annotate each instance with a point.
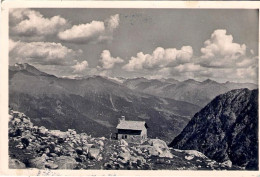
(31, 146)
(199, 93)
(92, 105)
(226, 129)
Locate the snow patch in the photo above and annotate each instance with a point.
(189, 157)
(195, 153)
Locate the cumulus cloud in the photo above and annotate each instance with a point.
(30, 23)
(221, 45)
(113, 22)
(45, 53)
(221, 59)
(160, 58)
(107, 61)
(220, 51)
(84, 32)
(95, 31)
(80, 66)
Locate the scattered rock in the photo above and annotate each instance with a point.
(93, 153)
(102, 138)
(83, 158)
(158, 143)
(108, 165)
(53, 155)
(16, 164)
(101, 143)
(123, 142)
(65, 162)
(79, 150)
(42, 130)
(227, 163)
(189, 157)
(125, 155)
(51, 165)
(38, 162)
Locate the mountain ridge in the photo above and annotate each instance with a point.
(225, 129)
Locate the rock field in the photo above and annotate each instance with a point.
(37, 147)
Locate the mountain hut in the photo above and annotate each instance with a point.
(131, 131)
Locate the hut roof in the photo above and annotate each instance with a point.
(132, 125)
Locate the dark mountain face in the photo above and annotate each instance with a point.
(226, 129)
(199, 93)
(92, 105)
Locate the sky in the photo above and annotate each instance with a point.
(199, 44)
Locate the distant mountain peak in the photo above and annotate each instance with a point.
(22, 66)
(209, 81)
(29, 68)
(192, 81)
(171, 80)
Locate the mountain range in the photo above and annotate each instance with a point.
(225, 130)
(93, 104)
(195, 92)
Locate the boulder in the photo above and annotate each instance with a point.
(83, 157)
(65, 162)
(158, 143)
(195, 153)
(57, 150)
(166, 153)
(38, 162)
(227, 163)
(124, 155)
(58, 134)
(124, 149)
(99, 158)
(123, 143)
(47, 151)
(140, 160)
(16, 164)
(19, 146)
(122, 161)
(189, 157)
(85, 150)
(79, 150)
(101, 143)
(154, 151)
(102, 138)
(93, 153)
(138, 151)
(108, 165)
(17, 120)
(42, 130)
(133, 159)
(51, 165)
(90, 146)
(53, 155)
(52, 147)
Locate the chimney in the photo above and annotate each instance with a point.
(122, 118)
